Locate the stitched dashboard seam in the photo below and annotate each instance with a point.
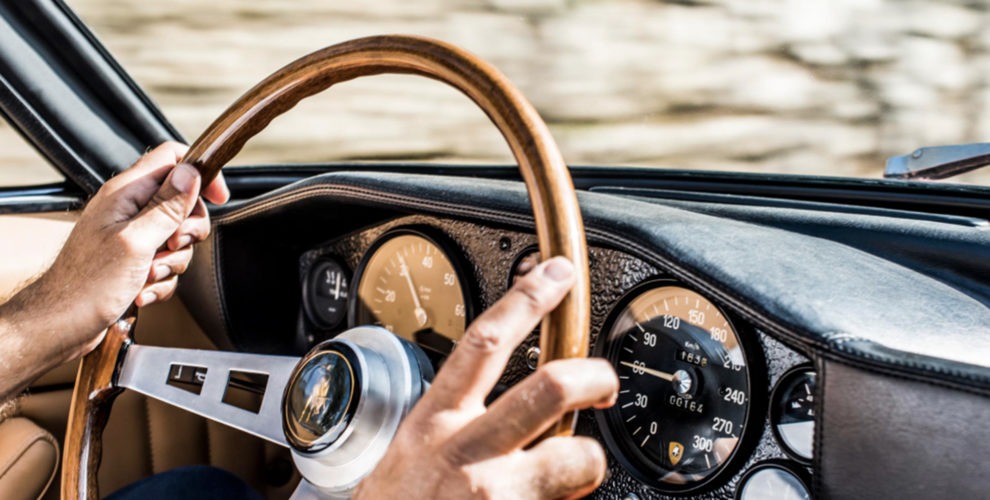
(854, 356)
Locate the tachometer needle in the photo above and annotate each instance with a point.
(669, 377)
(420, 313)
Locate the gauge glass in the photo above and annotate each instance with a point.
(684, 392)
(793, 413)
(772, 482)
(326, 290)
(410, 285)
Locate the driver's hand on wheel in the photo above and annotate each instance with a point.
(452, 446)
(130, 244)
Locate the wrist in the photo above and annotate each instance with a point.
(27, 342)
(39, 318)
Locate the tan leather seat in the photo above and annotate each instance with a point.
(28, 459)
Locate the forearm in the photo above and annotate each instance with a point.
(34, 337)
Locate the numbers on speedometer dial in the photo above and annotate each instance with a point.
(408, 284)
(684, 394)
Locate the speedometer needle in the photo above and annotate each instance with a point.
(649, 371)
(419, 312)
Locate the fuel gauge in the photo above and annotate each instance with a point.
(793, 413)
(325, 293)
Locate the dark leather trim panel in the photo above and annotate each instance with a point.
(38, 204)
(891, 437)
(37, 199)
(203, 290)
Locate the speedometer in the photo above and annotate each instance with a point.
(410, 283)
(685, 387)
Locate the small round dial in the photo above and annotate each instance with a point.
(326, 290)
(793, 413)
(410, 285)
(685, 389)
(774, 479)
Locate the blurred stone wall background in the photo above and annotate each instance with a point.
(802, 86)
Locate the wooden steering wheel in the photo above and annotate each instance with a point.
(105, 372)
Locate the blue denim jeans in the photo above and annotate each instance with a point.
(197, 482)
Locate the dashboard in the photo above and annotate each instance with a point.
(708, 404)
(769, 345)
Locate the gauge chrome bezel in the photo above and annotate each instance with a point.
(794, 469)
(453, 252)
(775, 410)
(608, 419)
(519, 257)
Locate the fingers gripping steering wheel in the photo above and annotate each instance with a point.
(110, 368)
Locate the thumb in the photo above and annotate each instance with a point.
(170, 205)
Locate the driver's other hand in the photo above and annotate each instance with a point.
(452, 446)
(131, 242)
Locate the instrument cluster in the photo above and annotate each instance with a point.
(410, 281)
(708, 405)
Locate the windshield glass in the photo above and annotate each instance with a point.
(825, 87)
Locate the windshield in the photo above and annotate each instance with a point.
(825, 87)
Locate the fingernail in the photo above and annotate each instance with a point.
(609, 400)
(147, 298)
(558, 269)
(162, 271)
(183, 177)
(182, 241)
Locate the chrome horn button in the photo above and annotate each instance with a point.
(344, 403)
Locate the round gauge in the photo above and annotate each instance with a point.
(685, 392)
(409, 283)
(774, 480)
(524, 263)
(325, 292)
(793, 413)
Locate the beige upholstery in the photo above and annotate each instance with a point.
(143, 437)
(31, 242)
(28, 459)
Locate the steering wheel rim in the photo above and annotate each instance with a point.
(559, 226)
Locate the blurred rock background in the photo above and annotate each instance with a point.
(827, 87)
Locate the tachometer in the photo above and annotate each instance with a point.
(685, 387)
(409, 283)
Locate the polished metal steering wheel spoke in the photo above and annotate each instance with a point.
(207, 383)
